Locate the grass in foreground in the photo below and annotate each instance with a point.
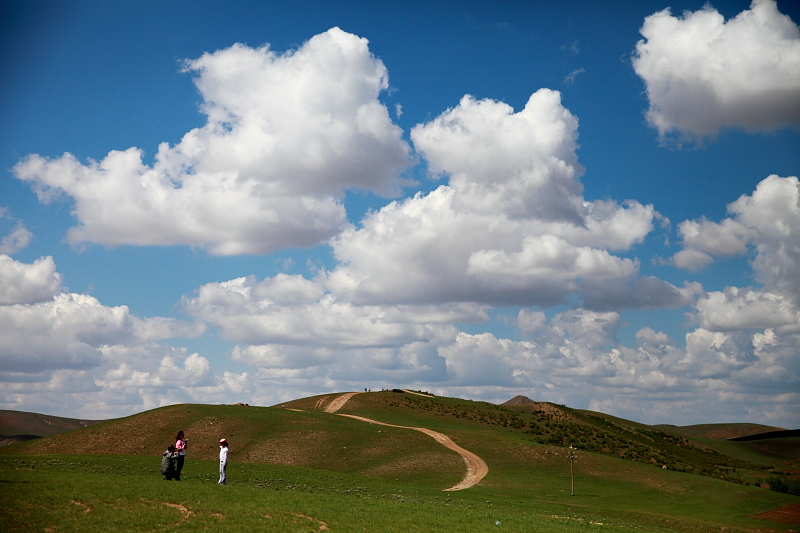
(99, 493)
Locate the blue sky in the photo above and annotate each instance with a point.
(583, 204)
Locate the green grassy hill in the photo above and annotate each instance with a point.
(19, 426)
(782, 453)
(719, 431)
(325, 458)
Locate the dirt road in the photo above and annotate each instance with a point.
(338, 402)
(476, 467)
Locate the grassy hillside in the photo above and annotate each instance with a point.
(313, 438)
(719, 431)
(18, 426)
(342, 471)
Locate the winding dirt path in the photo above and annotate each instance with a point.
(476, 467)
(338, 402)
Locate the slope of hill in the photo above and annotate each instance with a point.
(302, 434)
(619, 471)
(18, 426)
(719, 431)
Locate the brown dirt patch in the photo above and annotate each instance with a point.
(284, 450)
(433, 462)
(418, 393)
(789, 514)
(86, 508)
(339, 402)
(186, 513)
(181, 508)
(322, 402)
(322, 525)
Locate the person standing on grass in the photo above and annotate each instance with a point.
(180, 446)
(223, 461)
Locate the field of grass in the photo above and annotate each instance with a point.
(315, 471)
(102, 492)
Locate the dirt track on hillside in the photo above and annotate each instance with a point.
(476, 467)
(339, 402)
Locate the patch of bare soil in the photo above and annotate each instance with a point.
(438, 463)
(86, 508)
(321, 403)
(186, 513)
(417, 393)
(518, 400)
(339, 402)
(789, 514)
(322, 525)
(283, 449)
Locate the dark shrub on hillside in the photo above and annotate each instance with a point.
(784, 485)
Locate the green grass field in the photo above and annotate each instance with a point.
(315, 471)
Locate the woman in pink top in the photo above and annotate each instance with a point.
(180, 447)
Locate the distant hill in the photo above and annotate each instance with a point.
(517, 401)
(20, 426)
(302, 434)
(770, 435)
(719, 431)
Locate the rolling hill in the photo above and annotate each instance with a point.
(719, 431)
(20, 426)
(303, 434)
(622, 468)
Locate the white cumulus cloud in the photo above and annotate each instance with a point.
(510, 227)
(67, 353)
(23, 283)
(286, 135)
(767, 221)
(704, 73)
(735, 308)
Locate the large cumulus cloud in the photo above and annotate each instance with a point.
(747, 337)
(766, 222)
(286, 135)
(69, 354)
(703, 73)
(511, 226)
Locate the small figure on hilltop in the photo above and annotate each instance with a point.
(168, 460)
(223, 461)
(180, 446)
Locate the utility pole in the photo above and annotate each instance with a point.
(572, 456)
